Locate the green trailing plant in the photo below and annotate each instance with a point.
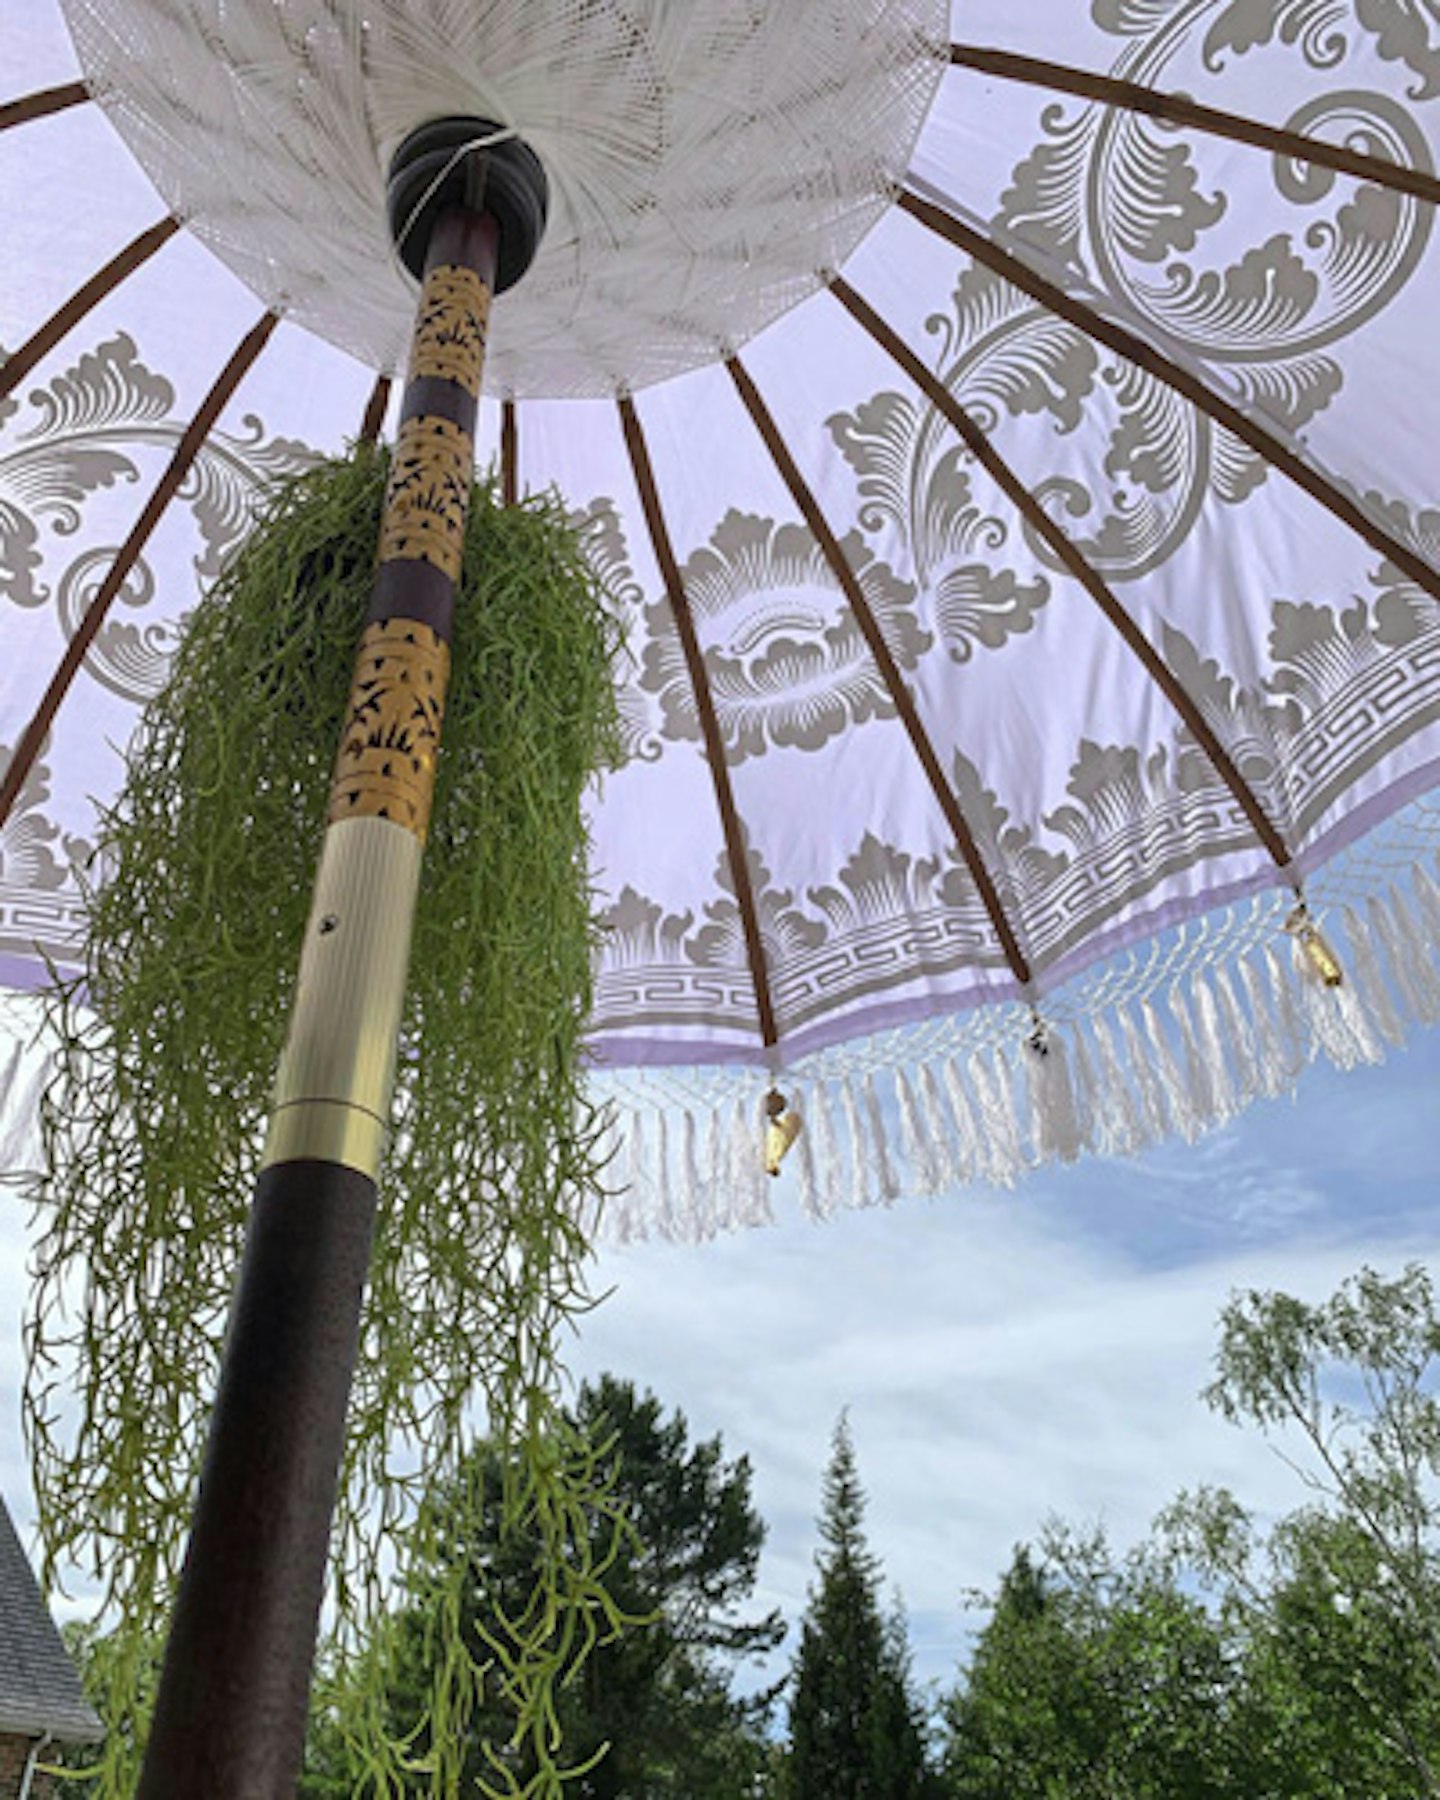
(168, 1041)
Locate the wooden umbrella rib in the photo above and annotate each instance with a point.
(705, 710)
(375, 409)
(1179, 109)
(185, 453)
(1071, 556)
(509, 454)
(41, 103)
(19, 364)
(900, 695)
(1174, 375)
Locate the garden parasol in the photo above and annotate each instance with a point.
(969, 789)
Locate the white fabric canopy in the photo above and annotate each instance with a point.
(1147, 911)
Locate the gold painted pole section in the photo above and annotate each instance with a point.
(333, 1090)
(332, 1093)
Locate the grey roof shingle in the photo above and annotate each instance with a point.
(39, 1688)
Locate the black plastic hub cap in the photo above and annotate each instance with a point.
(505, 180)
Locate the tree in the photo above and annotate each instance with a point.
(1340, 1607)
(1215, 1660)
(854, 1729)
(1093, 1677)
(658, 1692)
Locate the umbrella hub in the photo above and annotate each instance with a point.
(470, 162)
(708, 162)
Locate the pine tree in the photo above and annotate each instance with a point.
(854, 1730)
(659, 1693)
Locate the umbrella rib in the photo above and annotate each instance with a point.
(705, 709)
(982, 448)
(509, 454)
(375, 410)
(18, 365)
(184, 455)
(1179, 109)
(1174, 375)
(900, 695)
(41, 103)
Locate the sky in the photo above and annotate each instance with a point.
(1003, 1357)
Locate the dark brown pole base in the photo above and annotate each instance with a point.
(230, 1720)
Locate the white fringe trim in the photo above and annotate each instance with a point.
(1124, 1068)
(1114, 1078)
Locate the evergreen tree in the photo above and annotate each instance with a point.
(651, 1709)
(855, 1733)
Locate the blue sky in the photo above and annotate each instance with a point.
(1003, 1357)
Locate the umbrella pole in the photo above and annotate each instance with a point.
(230, 1715)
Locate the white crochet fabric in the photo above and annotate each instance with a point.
(707, 158)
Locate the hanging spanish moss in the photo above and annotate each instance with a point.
(168, 1044)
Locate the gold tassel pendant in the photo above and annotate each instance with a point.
(1320, 958)
(782, 1128)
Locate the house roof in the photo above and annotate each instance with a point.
(40, 1689)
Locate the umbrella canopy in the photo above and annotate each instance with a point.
(1002, 429)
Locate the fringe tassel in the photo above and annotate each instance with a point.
(1338, 1027)
(657, 1181)
(1134, 1071)
(829, 1170)
(859, 1194)
(1408, 954)
(20, 1146)
(1224, 1066)
(1368, 1047)
(1156, 1045)
(969, 1160)
(1092, 1103)
(927, 1173)
(1289, 1014)
(1276, 1069)
(942, 1133)
(1427, 977)
(803, 1157)
(749, 1198)
(734, 1140)
(1246, 1064)
(689, 1185)
(647, 1178)
(1205, 1062)
(1054, 1127)
(1149, 1089)
(879, 1143)
(1363, 970)
(753, 1181)
(7, 1080)
(1123, 1129)
(1427, 898)
(913, 1147)
(708, 1216)
(998, 1134)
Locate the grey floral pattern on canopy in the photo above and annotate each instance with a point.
(1149, 914)
(79, 433)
